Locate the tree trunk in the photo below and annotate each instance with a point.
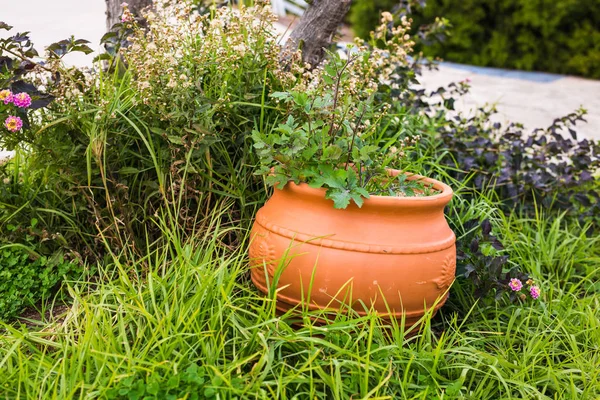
(114, 10)
(314, 33)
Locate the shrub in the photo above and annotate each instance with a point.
(364, 15)
(333, 123)
(550, 167)
(159, 126)
(542, 168)
(34, 256)
(164, 128)
(561, 37)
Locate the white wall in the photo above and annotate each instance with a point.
(52, 20)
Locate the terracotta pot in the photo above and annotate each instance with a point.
(397, 251)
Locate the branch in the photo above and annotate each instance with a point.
(314, 33)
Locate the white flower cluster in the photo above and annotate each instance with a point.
(181, 54)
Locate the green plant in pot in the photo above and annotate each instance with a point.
(344, 227)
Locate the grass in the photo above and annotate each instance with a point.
(556, 247)
(185, 322)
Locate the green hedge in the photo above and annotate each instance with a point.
(544, 35)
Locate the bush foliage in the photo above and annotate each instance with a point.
(553, 36)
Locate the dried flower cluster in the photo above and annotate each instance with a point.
(182, 55)
(369, 66)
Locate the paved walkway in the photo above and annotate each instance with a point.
(534, 99)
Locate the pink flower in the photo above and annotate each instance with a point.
(22, 100)
(534, 291)
(13, 123)
(127, 16)
(6, 96)
(515, 284)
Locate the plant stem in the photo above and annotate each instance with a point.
(336, 95)
(26, 59)
(351, 147)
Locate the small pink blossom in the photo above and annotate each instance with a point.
(6, 96)
(22, 100)
(515, 284)
(126, 17)
(13, 123)
(535, 291)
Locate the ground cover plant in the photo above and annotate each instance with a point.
(152, 185)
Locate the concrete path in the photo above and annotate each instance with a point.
(533, 99)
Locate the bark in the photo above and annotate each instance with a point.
(114, 9)
(314, 33)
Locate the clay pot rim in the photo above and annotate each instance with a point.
(440, 199)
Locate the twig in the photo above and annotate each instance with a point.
(26, 59)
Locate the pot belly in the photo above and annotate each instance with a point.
(328, 274)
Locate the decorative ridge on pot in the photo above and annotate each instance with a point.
(355, 246)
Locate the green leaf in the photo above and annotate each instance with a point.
(173, 382)
(107, 36)
(103, 56)
(129, 171)
(152, 387)
(351, 178)
(290, 121)
(332, 152)
(309, 152)
(175, 139)
(327, 79)
(276, 180)
(300, 98)
(281, 95)
(341, 197)
(454, 388)
(362, 191)
(367, 151)
(357, 199)
(82, 49)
